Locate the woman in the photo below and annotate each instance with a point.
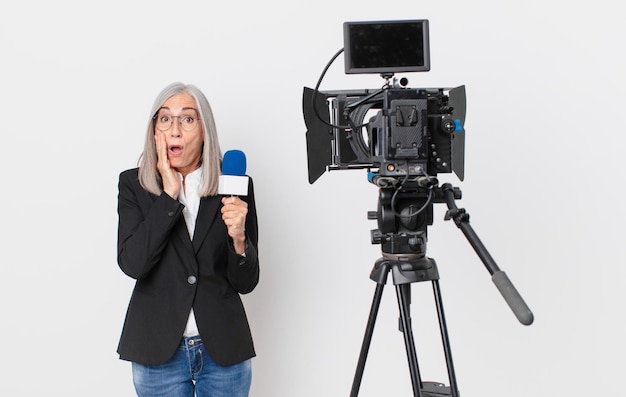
(191, 252)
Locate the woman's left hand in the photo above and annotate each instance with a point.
(234, 212)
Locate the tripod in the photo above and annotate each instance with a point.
(404, 273)
(403, 236)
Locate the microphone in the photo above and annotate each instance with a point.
(233, 181)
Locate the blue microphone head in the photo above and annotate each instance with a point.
(234, 163)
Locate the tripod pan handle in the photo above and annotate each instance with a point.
(512, 297)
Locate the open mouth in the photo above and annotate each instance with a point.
(175, 149)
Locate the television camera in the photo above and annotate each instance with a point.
(404, 137)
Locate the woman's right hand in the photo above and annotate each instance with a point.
(171, 181)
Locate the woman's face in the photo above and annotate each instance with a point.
(184, 136)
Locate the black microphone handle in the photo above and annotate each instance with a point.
(512, 297)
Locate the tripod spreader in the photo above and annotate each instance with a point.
(499, 278)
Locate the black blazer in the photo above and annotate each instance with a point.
(174, 274)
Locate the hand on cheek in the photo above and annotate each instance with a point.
(171, 182)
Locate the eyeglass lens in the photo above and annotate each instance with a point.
(187, 121)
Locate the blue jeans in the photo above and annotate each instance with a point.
(190, 371)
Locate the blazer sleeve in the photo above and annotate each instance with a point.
(145, 223)
(243, 270)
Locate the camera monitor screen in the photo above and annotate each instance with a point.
(386, 46)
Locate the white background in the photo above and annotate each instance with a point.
(544, 188)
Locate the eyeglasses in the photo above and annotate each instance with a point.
(164, 121)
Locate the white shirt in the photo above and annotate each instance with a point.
(190, 198)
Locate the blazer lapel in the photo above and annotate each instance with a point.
(181, 232)
(208, 211)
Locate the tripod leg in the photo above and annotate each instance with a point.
(367, 339)
(445, 339)
(403, 292)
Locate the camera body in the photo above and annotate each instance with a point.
(413, 132)
(394, 131)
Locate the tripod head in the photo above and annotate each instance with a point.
(404, 212)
